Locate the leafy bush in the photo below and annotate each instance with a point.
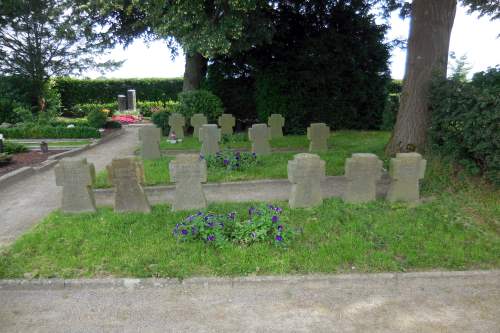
(230, 160)
(200, 101)
(264, 223)
(228, 139)
(160, 119)
(97, 119)
(466, 122)
(77, 91)
(147, 108)
(14, 148)
(112, 124)
(35, 131)
(23, 114)
(82, 110)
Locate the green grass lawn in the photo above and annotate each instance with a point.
(342, 144)
(457, 230)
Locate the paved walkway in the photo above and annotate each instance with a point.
(413, 302)
(24, 203)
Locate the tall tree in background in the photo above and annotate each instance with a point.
(427, 56)
(42, 38)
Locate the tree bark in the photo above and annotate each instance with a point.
(195, 71)
(427, 55)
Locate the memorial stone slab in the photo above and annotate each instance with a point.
(306, 172)
(76, 177)
(259, 135)
(122, 103)
(406, 170)
(176, 121)
(362, 172)
(131, 100)
(127, 176)
(150, 137)
(276, 123)
(198, 120)
(188, 171)
(210, 136)
(226, 123)
(318, 134)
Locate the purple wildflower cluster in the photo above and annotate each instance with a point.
(231, 160)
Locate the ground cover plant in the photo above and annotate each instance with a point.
(458, 229)
(342, 144)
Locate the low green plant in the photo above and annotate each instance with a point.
(112, 124)
(232, 160)
(160, 119)
(147, 108)
(14, 147)
(264, 223)
(23, 114)
(82, 110)
(35, 131)
(97, 118)
(200, 101)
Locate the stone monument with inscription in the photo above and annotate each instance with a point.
(276, 123)
(259, 135)
(76, 177)
(198, 120)
(226, 122)
(318, 134)
(188, 171)
(210, 135)
(406, 170)
(176, 121)
(150, 137)
(362, 172)
(306, 172)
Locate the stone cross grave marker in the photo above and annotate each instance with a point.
(176, 121)
(306, 172)
(131, 100)
(276, 123)
(210, 135)
(122, 103)
(198, 120)
(127, 176)
(318, 134)
(406, 170)
(76, 177)
(150, 137)
(259, 135)
(188, 171)
(226, 123)
(362, 172)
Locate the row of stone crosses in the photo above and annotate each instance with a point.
(210, 134)
(306, 173)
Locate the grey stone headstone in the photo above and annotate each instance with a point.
(406, 170)
(306, 172)
(150, 137)
(226, 123)
(76, 177)
(176, 121)
(362, 172)
(122, 103)
(210, 135)
(131, 100)
(259, 135)
(276, 123)
(127, 176)
(198, 120)
(188, 171)
(318, 134)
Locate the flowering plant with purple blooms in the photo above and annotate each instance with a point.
(264, 223)
(231, 160)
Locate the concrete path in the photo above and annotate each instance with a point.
(24, 203)
(412, 302)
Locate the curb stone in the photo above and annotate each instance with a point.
(135, 283)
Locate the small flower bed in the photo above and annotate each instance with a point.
(126, 118)
(231, 160)
(264, 223)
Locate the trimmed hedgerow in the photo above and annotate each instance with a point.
(35, 131)
(466, 122)
(200, 101)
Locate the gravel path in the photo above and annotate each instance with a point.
(24, 203)
(404, 302)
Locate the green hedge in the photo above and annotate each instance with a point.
(466, 122)
(77, 91)
(35, 131)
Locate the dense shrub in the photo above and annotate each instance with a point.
(160, 119)
(97, 119)
(82, 110)
(147, 108)
(112, 124)
(76, 91)
(466, 122)
(14, 147)
(325, 64)
(35, 131)
(200, 101)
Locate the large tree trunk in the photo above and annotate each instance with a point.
(427, 55)
(195, 71)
